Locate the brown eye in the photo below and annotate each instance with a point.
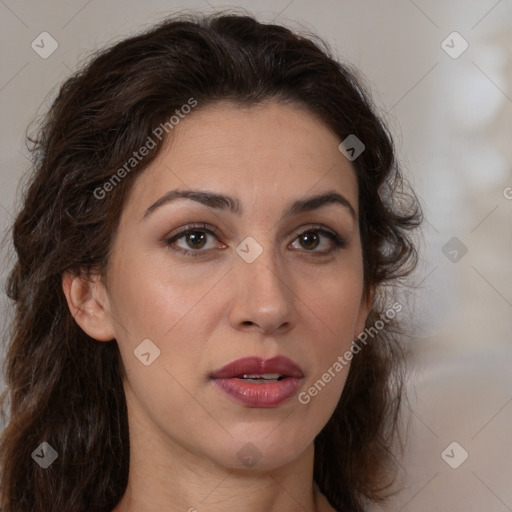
(309, 240)
(195, 239)
(319, 242)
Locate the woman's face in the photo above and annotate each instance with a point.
(261, 273)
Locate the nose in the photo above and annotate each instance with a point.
(263, 298)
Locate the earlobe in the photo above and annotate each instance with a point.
(88, 304)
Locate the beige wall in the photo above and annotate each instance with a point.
(452, 118)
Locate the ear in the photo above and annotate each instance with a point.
(88, 303)
(364, 309)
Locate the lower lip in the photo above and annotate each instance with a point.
(265, 394)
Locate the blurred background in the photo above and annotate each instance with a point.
(441, 75)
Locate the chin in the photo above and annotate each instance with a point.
(257, 450)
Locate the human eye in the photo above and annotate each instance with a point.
(319, 241)
(193, 240)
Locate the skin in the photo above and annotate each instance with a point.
(204, 312)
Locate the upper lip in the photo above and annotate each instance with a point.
(258, 366)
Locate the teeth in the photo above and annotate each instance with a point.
(270, 376)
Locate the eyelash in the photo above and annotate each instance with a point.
(338, 242)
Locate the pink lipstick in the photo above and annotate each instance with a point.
(257, 382)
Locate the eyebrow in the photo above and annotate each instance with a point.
(225, 202)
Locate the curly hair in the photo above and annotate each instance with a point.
(66, 389)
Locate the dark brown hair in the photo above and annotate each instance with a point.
(65, 388)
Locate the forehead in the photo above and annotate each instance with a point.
(270, 152)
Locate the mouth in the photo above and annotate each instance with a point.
(259, 370)
(266, 377)
(257, 382)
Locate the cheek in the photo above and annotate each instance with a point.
(331, 311)
(335, 300)
(152, 297)
(175, 310)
